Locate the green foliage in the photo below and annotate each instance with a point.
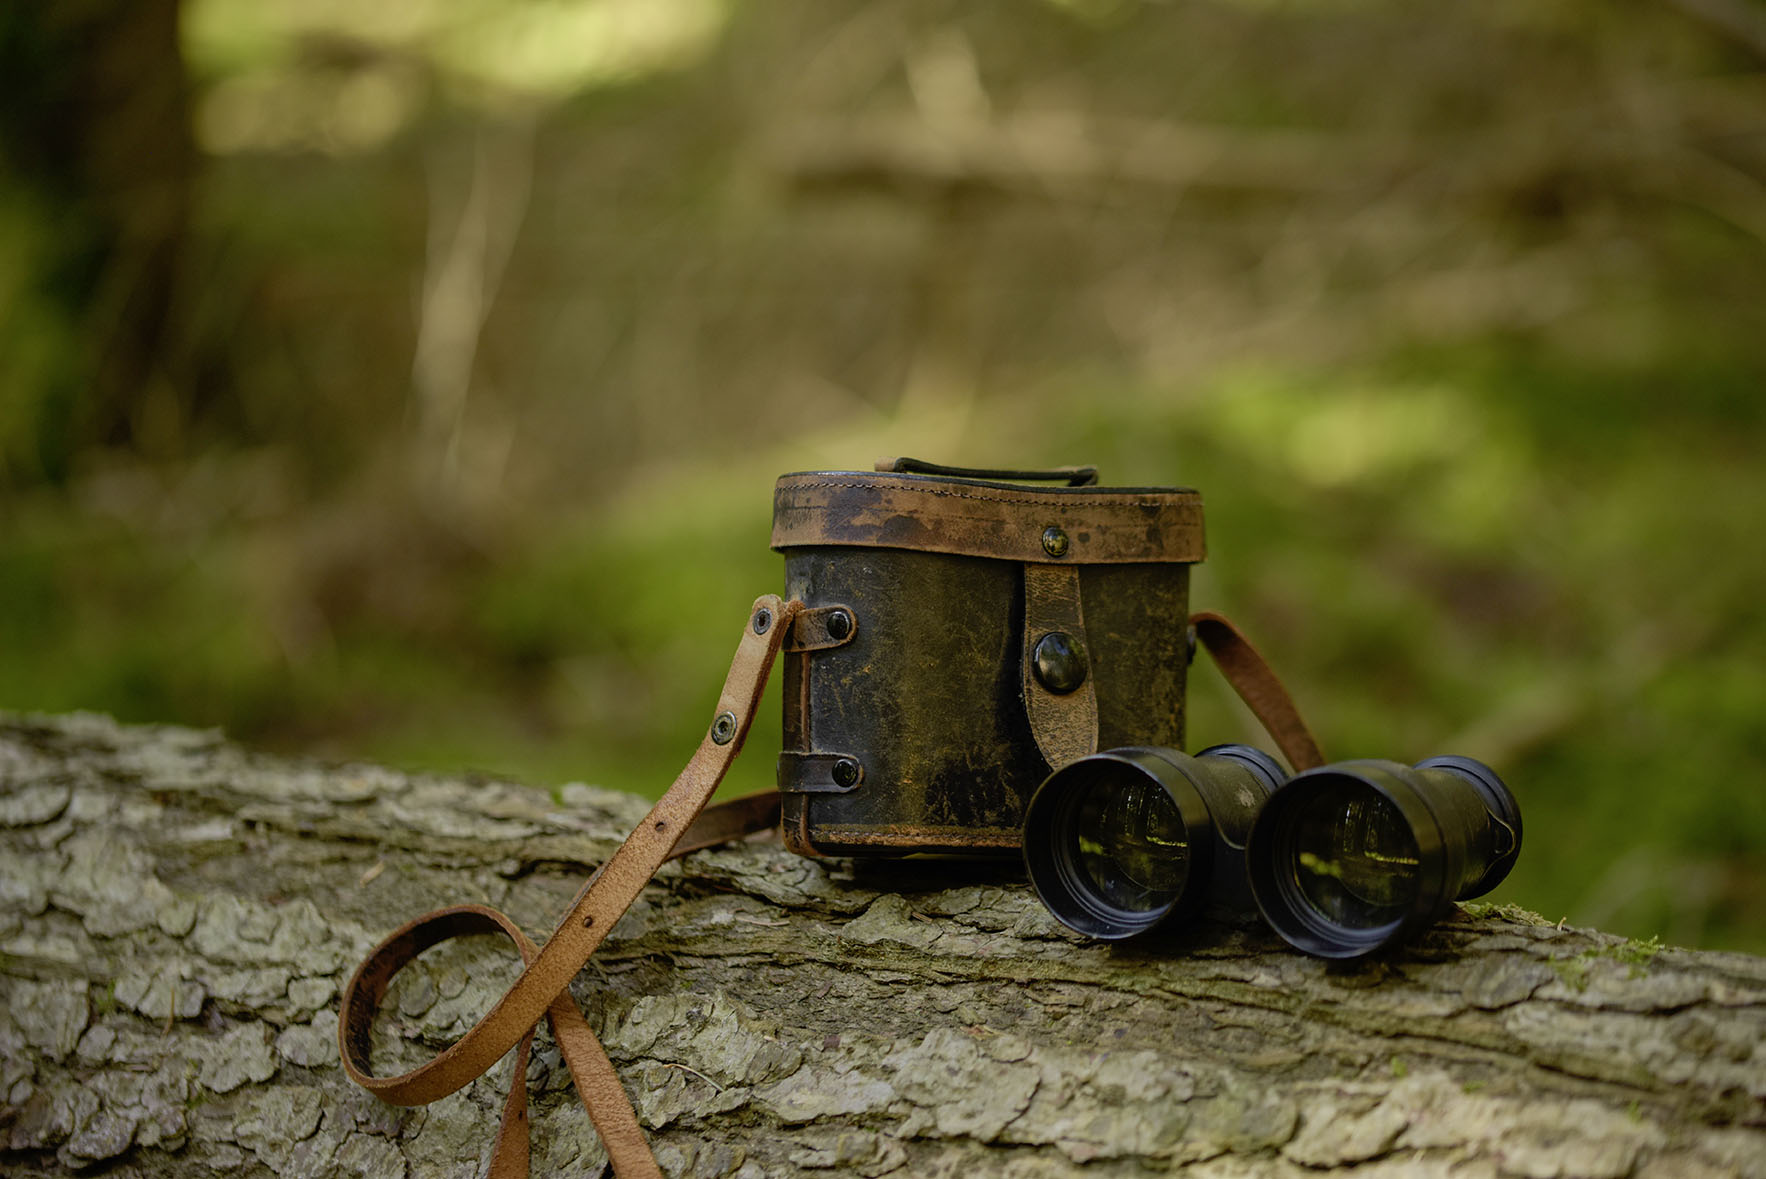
(1466, 358)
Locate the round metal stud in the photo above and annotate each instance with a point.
(845, 773)
(839, 624)
(763, 620)
(723, 729)
(1059, 662)
(1054, 541)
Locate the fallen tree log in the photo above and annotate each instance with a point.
(177, 916)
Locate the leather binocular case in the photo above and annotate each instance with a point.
(964, 635)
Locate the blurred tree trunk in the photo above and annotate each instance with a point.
(96, 141)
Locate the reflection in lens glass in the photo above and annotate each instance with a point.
(1354, 856)
(1131, 842)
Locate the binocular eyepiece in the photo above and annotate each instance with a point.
(1340, 860)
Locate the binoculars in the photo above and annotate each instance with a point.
(1340, 860)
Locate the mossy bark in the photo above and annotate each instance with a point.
(177, 916)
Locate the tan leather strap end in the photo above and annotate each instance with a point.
(1258, 686)
(542, 990)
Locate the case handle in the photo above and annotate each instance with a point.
(1071, 476)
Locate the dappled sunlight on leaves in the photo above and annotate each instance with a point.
(341, 77)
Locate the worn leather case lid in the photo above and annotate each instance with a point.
(981, 518)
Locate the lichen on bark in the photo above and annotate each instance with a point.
(177, 917)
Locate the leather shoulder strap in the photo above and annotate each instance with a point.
(680, 822)
(1258, 686)
(542, 989)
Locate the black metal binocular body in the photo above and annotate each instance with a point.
(1340, 860)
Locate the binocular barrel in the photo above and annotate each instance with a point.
(1340, 860)
(1117, 842)
(1347, 858)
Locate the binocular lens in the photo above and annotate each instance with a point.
(1129, 841)
(1119, 841)
(1355, 859)
(1347, 858)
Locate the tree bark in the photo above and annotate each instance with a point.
(177, 917)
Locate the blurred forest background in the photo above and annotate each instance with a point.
(406, 380)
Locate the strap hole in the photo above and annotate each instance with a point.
(588, 920)
(661, 825)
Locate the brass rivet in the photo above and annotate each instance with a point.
(1054, 541)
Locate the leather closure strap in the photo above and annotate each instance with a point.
(542, 989)
(1060, 695)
